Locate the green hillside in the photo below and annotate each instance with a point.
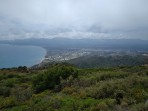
(63, 87)
(109, 61)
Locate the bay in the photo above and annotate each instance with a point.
(14, 55)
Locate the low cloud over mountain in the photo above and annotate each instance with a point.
(20, 19)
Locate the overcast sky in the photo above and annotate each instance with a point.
(102, 19)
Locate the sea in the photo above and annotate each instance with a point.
(18, 55)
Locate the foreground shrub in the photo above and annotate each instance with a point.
(100, 107)
(69, 90)
(9, 82)
(51, 78)
(5, 91)
(7, 102)
(22, 93)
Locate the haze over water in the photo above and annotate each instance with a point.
(14, 56)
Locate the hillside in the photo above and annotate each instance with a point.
(63, 87)
(109, 61)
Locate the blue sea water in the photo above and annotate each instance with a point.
(14, 56)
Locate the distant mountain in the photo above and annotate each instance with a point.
(131, 44)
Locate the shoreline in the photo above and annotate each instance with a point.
(23, 55)
(41, 61)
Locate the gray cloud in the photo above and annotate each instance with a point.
(73, 18)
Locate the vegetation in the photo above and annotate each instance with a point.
(109, 61)
(63, 87)
(51, 78)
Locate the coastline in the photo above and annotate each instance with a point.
(41, 62)
(13, 56)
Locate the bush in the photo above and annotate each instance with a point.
(7, 102)
(4, 91)
(51, 78)
(104, 90)
(22, 93)
(9, 82)
(101, 107)
(69, 90)
(22, 69)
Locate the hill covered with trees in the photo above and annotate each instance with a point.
(63, 87)
(109, 61)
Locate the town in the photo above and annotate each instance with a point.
(69, 54)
